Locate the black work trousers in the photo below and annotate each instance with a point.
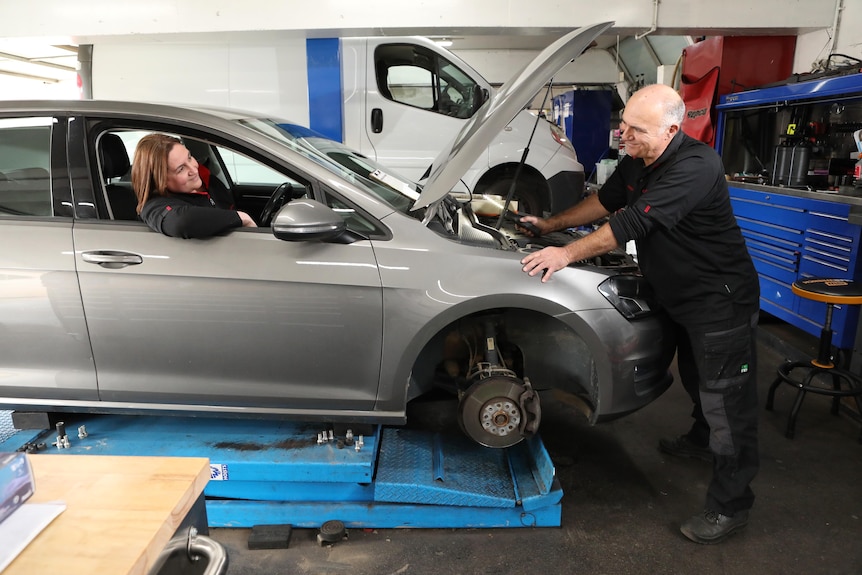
(718, 367)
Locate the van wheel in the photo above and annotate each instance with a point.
(530, 201)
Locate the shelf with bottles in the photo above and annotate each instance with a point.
(797, 136)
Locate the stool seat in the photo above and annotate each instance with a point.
(840, 382)
(829, 290)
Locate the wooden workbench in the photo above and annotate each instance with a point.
(120, 511)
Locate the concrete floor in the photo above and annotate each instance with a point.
(624, 500)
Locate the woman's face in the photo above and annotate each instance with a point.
(182, 171)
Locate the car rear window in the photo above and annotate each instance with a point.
(25, 183)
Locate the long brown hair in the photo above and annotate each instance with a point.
(150, 166)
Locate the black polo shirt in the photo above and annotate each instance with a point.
(194, 215)
(689, 245)
(188, 216)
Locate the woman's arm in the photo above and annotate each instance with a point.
(180, 220)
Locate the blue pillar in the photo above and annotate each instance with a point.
(325, 111)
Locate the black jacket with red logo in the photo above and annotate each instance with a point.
(689, 246)
(196, 215)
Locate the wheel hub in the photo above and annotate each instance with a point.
(499, 411)
(500, 417)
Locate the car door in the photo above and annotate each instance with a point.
(243, 320)
(420, 102)
(44, 346)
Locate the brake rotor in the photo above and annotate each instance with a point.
(491, 412)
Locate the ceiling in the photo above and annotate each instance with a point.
(35, 62)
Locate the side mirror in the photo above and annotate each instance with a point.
(480, 96)
(303, 219)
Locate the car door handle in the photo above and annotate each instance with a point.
(376, 120)
(111, 259)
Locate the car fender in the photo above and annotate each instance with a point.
(416, 317)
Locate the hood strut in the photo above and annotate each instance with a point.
(522, 162)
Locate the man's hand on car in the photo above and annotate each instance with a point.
(547, 260)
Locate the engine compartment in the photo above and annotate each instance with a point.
(460, 220)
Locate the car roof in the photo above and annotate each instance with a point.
(174, 110)
(220, 121)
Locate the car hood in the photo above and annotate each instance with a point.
(494, 115)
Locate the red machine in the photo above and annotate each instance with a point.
(724, 64)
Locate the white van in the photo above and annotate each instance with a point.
(398, 100)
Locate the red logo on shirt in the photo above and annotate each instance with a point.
(647, 209)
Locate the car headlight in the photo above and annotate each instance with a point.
(630, 294)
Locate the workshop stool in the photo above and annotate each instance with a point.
(831, 291)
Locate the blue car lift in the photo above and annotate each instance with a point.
(276, 472)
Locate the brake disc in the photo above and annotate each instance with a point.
(498, 411)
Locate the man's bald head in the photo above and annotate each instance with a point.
(652, 116)
(662, 99)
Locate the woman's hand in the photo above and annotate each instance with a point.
(247, 222)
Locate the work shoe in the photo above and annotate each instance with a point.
(713, 527)
(682, 446)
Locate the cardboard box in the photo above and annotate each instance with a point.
(16, 482)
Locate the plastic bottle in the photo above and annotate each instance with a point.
(781, 164)
(799, 165)
(857, 172)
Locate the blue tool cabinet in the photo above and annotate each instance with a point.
(585, 115)
(811, 230)
(792, 237)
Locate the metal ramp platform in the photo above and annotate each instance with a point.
(276, 472)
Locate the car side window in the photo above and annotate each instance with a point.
(418, 77)
(25, 181)
(245, 171)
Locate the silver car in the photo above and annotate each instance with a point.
(359, 292)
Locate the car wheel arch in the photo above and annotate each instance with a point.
(531, 186)
(547, 349)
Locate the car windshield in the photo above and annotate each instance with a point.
(386, 185)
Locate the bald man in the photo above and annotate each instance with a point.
(669, 194)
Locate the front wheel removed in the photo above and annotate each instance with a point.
(499, 411)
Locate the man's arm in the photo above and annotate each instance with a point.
(584, 212)
(552, 259)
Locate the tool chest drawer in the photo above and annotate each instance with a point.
(791, 237)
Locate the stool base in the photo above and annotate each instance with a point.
(805, 385)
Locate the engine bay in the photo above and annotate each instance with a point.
(458, 219)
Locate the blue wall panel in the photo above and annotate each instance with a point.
(324, 87)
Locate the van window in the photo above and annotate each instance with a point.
(418, 77)
(25, 182)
